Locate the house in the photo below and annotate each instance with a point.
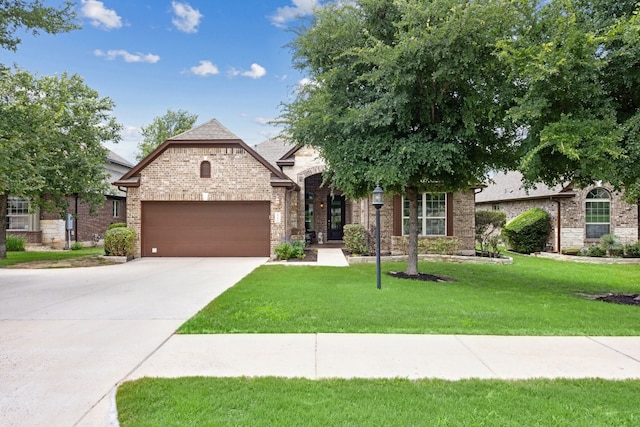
(579, 217)
(40, 227)
(205, 192)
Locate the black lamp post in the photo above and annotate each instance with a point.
(378, 201)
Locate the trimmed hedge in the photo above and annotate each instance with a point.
(355, 239)
(116, 225)
(120, 241)
(528, 232)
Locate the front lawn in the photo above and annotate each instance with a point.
(49, 257)
(394, 402)
(531, 297)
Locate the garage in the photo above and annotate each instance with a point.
(205, 229)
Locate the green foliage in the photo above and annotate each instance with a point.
(439, 245)
(76, 246)
(355, 239)
(528, 232)
(120, 241)
(162, 128)
(288, 250)
(632, 250)
(116, 225)
(596, 251)
(610, 243)
(488, 225)
(32, 16)
(15, 243)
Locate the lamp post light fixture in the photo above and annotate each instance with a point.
(378, 201)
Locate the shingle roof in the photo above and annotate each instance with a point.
(273, 149)
(211, 130)
(508, 186)
(115, 158)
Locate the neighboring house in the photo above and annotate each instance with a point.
(579, 216)
(207, 193)
(48, 228)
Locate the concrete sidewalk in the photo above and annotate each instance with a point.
(327, 257)
(450, 357)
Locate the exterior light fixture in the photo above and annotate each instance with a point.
(377, 200)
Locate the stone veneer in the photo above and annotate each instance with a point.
(235, 176)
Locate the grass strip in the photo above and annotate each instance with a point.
(391, 402)
(35, 256)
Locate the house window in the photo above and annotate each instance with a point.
(205, 169)
(432, 214)
(17, 214)
(597, 213)
(116, 208)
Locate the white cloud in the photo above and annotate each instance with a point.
(300, 8)
(262, 121)
(206, 68)
(100, 16)
(128, 57)
(187, 18)
(256, 72)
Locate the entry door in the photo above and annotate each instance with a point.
(335, 222)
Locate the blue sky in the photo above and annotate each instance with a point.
(223, 59)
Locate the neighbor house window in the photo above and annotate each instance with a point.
(432, 214)
(598, 213)
(205, 169)
(116, 208)
(17, 214)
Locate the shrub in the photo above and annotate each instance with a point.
(439, 245)
(632, 250)
(120, 241)
(528, 232)
(15, 244)
(77, 246)
(596, 251)
(610, 243)
(286, 250)
(355, 239)
(116, 225)
(488, 225)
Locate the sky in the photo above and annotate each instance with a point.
(222, 59)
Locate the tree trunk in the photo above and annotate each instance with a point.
(412, 261)
(3, 225)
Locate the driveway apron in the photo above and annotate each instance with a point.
(68, 336)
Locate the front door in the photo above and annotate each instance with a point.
(335, 220)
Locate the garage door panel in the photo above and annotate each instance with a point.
(205, 229)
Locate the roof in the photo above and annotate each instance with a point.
(211, 130)
(209, 133)
(273, 149)
(507, 186)
(116, 158)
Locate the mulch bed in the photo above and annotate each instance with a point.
(625, 299)
(421, 276)
(310, 255)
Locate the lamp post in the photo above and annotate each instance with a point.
(378, 201)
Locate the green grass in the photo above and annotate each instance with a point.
(34, 256)
(531, 297)
(394, 402)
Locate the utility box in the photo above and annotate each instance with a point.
(69, 222)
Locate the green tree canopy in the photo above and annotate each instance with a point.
(33, 16)
(51, 134)
(162, 128)
(406, 94)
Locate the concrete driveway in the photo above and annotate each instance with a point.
(68, 336)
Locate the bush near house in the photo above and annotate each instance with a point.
(632, 250)
(488, 225)
(355, 239)
(116, 225)
(15, 244)
(120, 241)
(528, 232)
(286, 250)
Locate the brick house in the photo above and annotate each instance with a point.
(40, 227)
(578, 216)
(206, 193)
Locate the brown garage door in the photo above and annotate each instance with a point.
(205, 229)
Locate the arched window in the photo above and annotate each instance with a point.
(205, 169)
(598, 213)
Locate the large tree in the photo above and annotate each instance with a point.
(406, 94)
(163, 128)
(33, 16)
(51, 134)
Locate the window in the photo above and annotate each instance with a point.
(432, 215)
(116, 208)
(205, 169)
(17, 214)
(597, 213)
